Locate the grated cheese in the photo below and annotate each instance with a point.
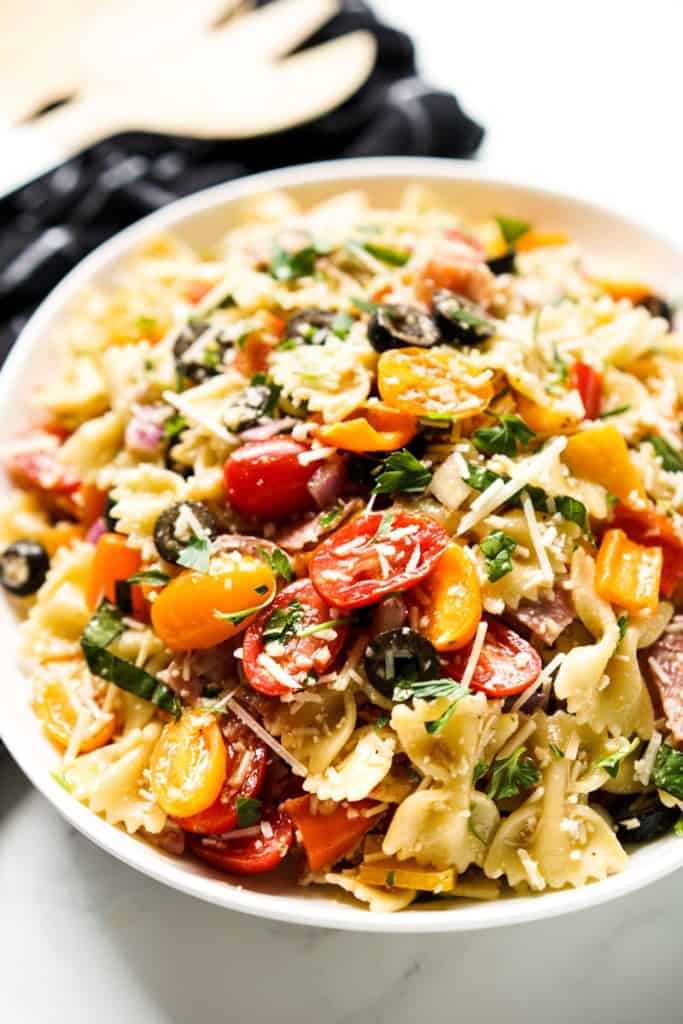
(263, 734)
(644, 766)
(277, 671)
(475, 653)
(193, 416)
(533, 875)
(536, 539)
(314, 455)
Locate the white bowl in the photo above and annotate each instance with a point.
(200, 219)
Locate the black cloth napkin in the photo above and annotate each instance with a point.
(48, 225)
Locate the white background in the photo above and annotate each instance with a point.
(578, 96)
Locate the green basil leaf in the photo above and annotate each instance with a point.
(505, 438)
(248, 811)
(612, 761)
(401, 471)
(511, 228)
(512, 775)
(497, 549)
(671, 459)
(195, 554)
(668, 771)
(151, 576)
(393, 257)
(279, 563)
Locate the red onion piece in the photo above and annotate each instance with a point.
(145, 429)
(326, 483)
(264, 431)
(389, 614)
(96, 530)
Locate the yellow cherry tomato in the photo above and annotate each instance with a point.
(544, 419)
(433, 383)
(188, 766)
(188, 613)
(60, 702)
(454, 600)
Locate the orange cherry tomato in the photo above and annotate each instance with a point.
(454, 600)
(433, 383)
(114, 562)
(187, 613)
(188, 764)
(372, 427)
(59, 706)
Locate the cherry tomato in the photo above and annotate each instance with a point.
(654, 529)
(266, 480)
(433, 382)
(41, 471)
(374, 555)
(184, 614)
(507, 663)
(301, 655)
(250, 855)
(246, 770)
(59, 706)
(588, 382)
(188, 765)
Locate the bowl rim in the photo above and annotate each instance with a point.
(170, 871)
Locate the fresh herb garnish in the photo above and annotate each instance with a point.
(678, 827)
(573, 510)
(560, 367)
(152, 576)
(385, 525)
(511, 229)
(672, 460)
(279, 563)
(195, 554)
(622, 623)
(322, 626)
(512, 775)
(480, 770)
(284, 623)
(401, 471)
(262, 394)
(406, 689)
(61, 781)
(211, 357)
(390, 878)
(341, 325)
(174, 425)
(327, 519)
(436, 725)
(668, 771)
(505, 438)
(556, 752)
(287, 266)
(248, 811)
(613, 412)
(393, 257)
(364, 305)
(237, 618)
(104, 627)
(497, 549)
(612, 761)
(469, 319)
(569, 508)
(382, 721)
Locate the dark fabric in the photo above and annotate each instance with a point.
(50, 224)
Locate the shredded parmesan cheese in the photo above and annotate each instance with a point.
(263, 734)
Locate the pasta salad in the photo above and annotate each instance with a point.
(356, 541)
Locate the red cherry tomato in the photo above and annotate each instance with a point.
(374, 555)
(302, 654)
(459, 236)
(654, 529)
(507, 663)
(588, 382)
(246, 770)
(250, 855)
(42, 471)
(265, 479)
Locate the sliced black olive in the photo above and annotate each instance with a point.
(504, 264)
(654, 819)
(209, 361)
(459, 319)
(309, 327)
(23, 567)
(167, 542)
(399, 326)
(400, 655)
(658, 307)
(109, 520)
(251, 405)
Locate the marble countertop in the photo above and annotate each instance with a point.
(84, 938)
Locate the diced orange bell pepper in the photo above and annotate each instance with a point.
(454, 600)
(60, 536)
(533, 239)
(628, 574)
(373, 427)
(91, 501)
(400, 874)
(544, 419)
(327, 837)
(115, 561)
(654, 529)
(601, 455)
(623, 288)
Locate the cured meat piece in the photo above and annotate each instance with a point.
(665, 661)
(546, 618)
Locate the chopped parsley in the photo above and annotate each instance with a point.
(671, 459)
(195, 554)
(174, 426)
(279, 563)
(573, 510)
(497, 549)
(469, 319)
(612, 761)
(512, 775)
(480, 770)
(406, 689)
(382, 721)
(385, 526)
(61, 781)
(505, 438)
(393, 257)
(480, 479)
(512, 229)
(329, 518)
(613, 412)
(622, 623)
(401, 471)
(288, 266)
(284, 623)
(678, 827)
(155, 577)
(248, 811)
(668, 771)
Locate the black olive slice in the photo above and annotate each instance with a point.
(310, 326)
(657, 306)
(166, 539)
(504, 264)
(23, 567)
(652, 817)
(399, 326)
(256, 402)
(399, 655)
(206, 363)
(459, 319)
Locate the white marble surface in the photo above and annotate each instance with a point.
(83, 938)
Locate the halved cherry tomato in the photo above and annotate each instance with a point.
(251, 855)
(654, 529)
(453, 600)
(58, 706)
(184, 615)
(302, 655)
(360, 563)
(588, 382)
(246, 769)
(327, 837)
(41, 471)
(507, 663)
(372, 427)
(433, 383)
(188, 764)
(252, 352)
(113, 563)
(266, 480)
(196, 290)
